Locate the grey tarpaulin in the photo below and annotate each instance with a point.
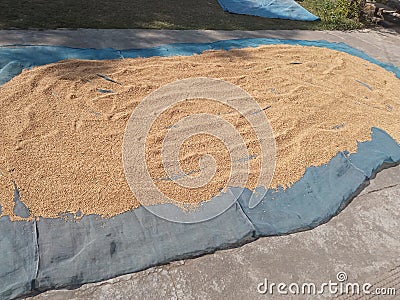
(73, 252)
(20, 209)
(309, 202)
(323, 191)
(371, 154)
(18, 257)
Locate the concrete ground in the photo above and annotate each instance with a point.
(381, 44)
(363, 241)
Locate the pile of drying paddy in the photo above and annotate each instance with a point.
(61, 139)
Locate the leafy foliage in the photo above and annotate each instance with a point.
(338, 14)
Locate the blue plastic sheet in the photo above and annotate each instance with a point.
(277, 9)
(14, 59)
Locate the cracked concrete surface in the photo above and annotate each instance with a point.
(363, 240)
(391, 179)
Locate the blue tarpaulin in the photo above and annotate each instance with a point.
(13, 59)
(277, 9)
(38, 255)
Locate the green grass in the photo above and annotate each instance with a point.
(155, 14)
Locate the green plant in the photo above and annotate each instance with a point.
(351, 9)
(336, 14)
